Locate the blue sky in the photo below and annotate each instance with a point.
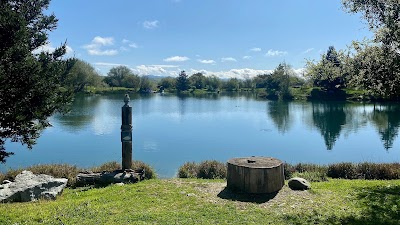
(233, 38)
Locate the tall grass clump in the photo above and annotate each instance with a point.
(343, 170)
(310, 172)
(209, 169)
(188, 170)
(108, 166)
(148, 170)
(381, 171)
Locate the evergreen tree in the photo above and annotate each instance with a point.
(182, 82)
(31, 85)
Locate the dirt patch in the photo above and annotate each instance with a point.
(217, 193)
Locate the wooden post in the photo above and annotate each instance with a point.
(126, 134)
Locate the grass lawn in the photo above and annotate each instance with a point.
(195, 201)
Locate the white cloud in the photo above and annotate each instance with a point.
(105, 64)
(102, 52)
(233, 73)
(133, 45)
(255, 49)
(228, 59)
(125, 41)
(156, 70)
(150, 24)
(176, 59)
(106, 41)
(97, 44)
(246, 57)
(206, 61)
(276, 53)
(308, 50)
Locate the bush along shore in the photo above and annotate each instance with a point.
(368, 193)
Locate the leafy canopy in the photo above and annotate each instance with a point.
(31, 85)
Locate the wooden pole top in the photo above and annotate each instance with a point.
(256, 162)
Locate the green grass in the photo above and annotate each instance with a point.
(192, 201)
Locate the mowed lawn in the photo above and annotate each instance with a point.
(196, 201)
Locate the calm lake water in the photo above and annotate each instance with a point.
(169, 130)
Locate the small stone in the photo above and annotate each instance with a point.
(120, 184)
(298, 183)
(190, 195)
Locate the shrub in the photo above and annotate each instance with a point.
(149, 171)
(289, 170)
(211, 169)
(382, 171)
(343, 170)
(108, 166)
(188, 170)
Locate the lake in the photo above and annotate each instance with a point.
(169, 130)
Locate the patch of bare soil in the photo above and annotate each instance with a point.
(217, 193)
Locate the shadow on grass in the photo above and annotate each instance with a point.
(378, 205)
(245, 197)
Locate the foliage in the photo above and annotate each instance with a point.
(145, 85)
(82, 74)
(381, 171)
(167, 83)
(149, 171)
(233, 84)
(310, 172)
(377, 70)
(383, 18)
(328, 73)
(197, 81)
(107, 166)
(209, 169)
(277, 84)
(31, 84)
(213, 83)
(122, 76)
(188, 170)
(182, 82)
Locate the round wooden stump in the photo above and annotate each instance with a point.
(255, 175)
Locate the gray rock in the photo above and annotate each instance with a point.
(30, 187)
(297, 183)
(6, 182)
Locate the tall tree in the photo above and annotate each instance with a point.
(277, 84)
(383, 17)
(30, 84)
(82, 74)
(328, 73)
(182, 82)
(197, 80)
(116, 75)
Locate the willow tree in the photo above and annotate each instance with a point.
(31, 85)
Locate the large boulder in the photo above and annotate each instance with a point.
(297, 183)
(30, 187)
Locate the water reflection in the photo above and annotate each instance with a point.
(279, 113)
(329, 118)
(386, 119)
